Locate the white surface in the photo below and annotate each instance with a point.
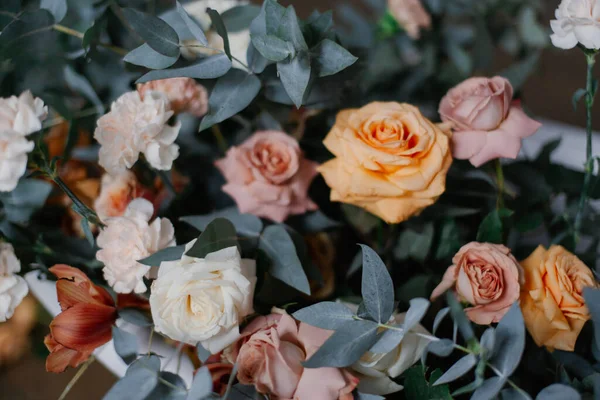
(45, 292)
(571, 153)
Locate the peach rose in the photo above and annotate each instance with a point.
(116, 193)
(488, 124)
(487, 276)
(552, 297)
(268, 176)
(411, 15)
(390, 160)
(185, 94)
(270, 356)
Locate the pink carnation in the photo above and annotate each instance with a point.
(185, 94)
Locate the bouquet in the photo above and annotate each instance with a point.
(302, 210)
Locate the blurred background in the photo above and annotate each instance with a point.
(546, 94)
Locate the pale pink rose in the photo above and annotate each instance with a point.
(116, 192)
(488, 124)
(185, 94)
(486, 276)
(411, 15)
(270, 355)
(268, 176)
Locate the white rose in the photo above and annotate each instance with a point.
(130, 238)
(197, 300)
(116, 192)
(13, 288)
(23, 114)
(19, 117)
(577, 21)
(135, 126)
(238, 41)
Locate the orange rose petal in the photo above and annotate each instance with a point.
(84, 327)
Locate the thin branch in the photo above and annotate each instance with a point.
(77, 376)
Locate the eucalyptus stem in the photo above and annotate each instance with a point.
(72, 32)
(589, 163)
(500, 182)
(75, 378)
(221, 142)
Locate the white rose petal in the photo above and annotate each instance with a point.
(13, 288)
(135, 126)
(196, 300)
(130, 238)
(577, 21)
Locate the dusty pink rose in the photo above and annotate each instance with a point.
(185, 94)
(488, 124)
(270, 356)
(411, 15)
(268, 176)
(488, 277)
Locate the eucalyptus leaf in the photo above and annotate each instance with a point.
(331, 58)
(126, 344)
(149, 362)
(167, 254)
(389, 340)
(232, 93)
(592, 300)
(377, 286)
(202, 385)
(488, 342)
(295, 76)
(256, 61)
(219, 234)
(489, 389)
(326, 315)
(273, 48)
(29, 196)
(276, 242)
(203, 354)
(366, 396)
(156, 32)
(558, 391)
(147, 57)
(206, 68)
(245, 224)
(439, 317)
(459, 317)
(346, 346)
(460, 368)
(192, 25)
(219, 26)
(239, 18)
(510, 342)
(136, 385)
(135, 316)
(176, 390)
(290, 31)
(416, 312)
(313, 222)
(514, 394)
(58, 8)
(491, 229)
(441, 348)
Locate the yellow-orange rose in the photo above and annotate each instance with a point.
(552, 297)
(390, 160)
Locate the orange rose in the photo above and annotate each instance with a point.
(552, 297)
(390, 160)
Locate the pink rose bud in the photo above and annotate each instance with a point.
(268, 176)
(486, 276)
(488, 124)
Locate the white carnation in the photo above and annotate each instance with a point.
(19, 117)
(130, 238)
(238, 41)
(203, 300)
(577, 21)
(13, 288)
(135, 126)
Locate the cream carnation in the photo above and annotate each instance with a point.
(185, 94)
(130, 238)
(135, 126)
(116, 193)
(577, 21)
(203, 300)
(13, 288)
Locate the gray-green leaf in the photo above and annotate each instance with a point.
(135, 385)
(168, 254)
(326, 315)
(219, 26)
(202, 385)
(510, 341)
(245, 224)
(126, 344)
(207, 68)
(295, 76)
(332, 58)
(147, 57)
(219, 234)
(272, 48)
(459, 368)
(558, 391)
(156, 32)
(58, 8)
(377, 286)
(192, 25)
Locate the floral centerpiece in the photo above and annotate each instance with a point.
(205, 169)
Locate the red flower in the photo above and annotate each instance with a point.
(85, 323)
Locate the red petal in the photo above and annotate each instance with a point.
(70, 293)
(75, 287)
(84, 327)
(63, 271)
(61, 357)
(132, 301)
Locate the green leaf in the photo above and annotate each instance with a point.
(489, 389)
(232, 93)
(203, 354)
(125, 343)
(24, 32)
(460, 58)
(592, 300)
(256, 61)
(530, 221)
(58, 8)
(202, 385)
(558, 391)
(331, 58)
(219, 26)
(85, 226)
(272, 48)
(449, 242)
(245, 224)
(295, 76)
(219, 234)
(510, 342)
(91, 37)
(192, 25)
(29, 196)
(290, 31)
(156, 32)
(361, 220)
(577, 96)
(276, 242)
(148, 362)
(239, 18)
(439, 317)
(135, 385)
(416, 386)
(177, 389)
(367, 396)
(346, 346)
(206, 68)
(326, 315)
(518, 73)
(168, 254)
(532, 33)
(145, 56)
(415, 245)
(313, 222)
(459, 317)
(79, 83)
(389, 340)
(491, 229)
(377, 286)
(460, 368)
(135, 316)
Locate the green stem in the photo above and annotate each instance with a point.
(221, 142)
(500, 182)
(589, 161)
(75, 378)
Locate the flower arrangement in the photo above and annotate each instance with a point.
(204, 170)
